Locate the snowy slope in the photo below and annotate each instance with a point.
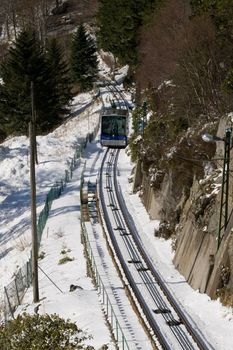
(62, 234)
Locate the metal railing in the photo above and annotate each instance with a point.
(109, 309)
(110, 313)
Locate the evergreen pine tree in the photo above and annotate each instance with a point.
(119, 29)
(202, 6)
(25, 63)
(60, 74)
(221, 12)
(84, 63)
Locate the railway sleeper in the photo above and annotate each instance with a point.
(91, 207)
(134, 261)
(141, 269)
(91, 186)
(172, 323)
(93, 213)
(119, 228)
(161, 310)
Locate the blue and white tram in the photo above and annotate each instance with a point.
(114, 127)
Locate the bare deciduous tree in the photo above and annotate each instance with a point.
(16, 14)
(161, 41)
(199, 75)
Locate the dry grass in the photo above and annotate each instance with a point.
(22, 243)
(59, 233)
(65, 250)
(225, 296)
(65, 260)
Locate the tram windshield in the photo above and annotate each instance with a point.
(114, 125)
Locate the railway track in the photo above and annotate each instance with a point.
(117, 94)
(171, 327)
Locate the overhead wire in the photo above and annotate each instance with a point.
(193, 160)
(50, 279)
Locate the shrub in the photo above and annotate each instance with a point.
(65, 260)
(41, 255)
(22, 243)
(64, 250)
(41, 332)
(225, 296)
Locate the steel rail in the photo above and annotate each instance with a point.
(147, 280)
(192, 328)
(139, 257)
(114, 89)
(160, 336)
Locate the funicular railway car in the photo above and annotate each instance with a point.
(114, 127)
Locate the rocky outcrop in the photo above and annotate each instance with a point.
(206, 266)
(190, 210)
(196, 237)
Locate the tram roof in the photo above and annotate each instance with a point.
(114, 111)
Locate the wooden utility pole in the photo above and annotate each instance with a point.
(32, 136)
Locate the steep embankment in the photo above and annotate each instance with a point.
(187, 202)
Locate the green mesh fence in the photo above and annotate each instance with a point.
(15, 290)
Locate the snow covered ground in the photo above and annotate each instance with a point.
(55, 152)
(61, 235)
(214, 320)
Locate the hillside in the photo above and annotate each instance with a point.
(65, 285)
(179, 55)
(185, 79)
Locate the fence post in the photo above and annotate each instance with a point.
(97, 275)
(9, 304)
(100, 287)
(123, 342)
(111, 317)
(27, 273)
(103, 296)
(107, 305)
(116, 329)
(66, 176)
(17, 292)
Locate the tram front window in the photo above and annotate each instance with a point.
(113, 126)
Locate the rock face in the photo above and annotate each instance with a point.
(196, 238)
(192, 216)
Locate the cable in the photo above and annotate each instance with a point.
(196, 160)
(203, 160)
(50, 279)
